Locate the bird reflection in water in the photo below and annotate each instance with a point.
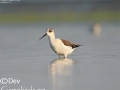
(60, 71)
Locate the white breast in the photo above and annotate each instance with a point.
(59, 48)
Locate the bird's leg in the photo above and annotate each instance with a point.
(65, 56)
(60, 56)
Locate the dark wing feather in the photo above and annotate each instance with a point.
(67, 43)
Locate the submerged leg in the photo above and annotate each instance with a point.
(60, 56)
(65, 56)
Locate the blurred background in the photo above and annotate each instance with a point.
(32, 11)
(92, 23)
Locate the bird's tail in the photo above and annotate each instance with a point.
(76, 45)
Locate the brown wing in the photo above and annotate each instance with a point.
(67, 43)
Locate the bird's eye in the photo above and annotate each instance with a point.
(50, 31)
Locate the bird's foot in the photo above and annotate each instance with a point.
(65, 57)
(60, 57)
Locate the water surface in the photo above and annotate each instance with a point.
(94, 66)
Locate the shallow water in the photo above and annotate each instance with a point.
(94, 66)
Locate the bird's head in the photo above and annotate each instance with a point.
(49, 33)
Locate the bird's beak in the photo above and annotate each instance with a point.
(42, 36)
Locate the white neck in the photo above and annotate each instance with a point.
(51, 38)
